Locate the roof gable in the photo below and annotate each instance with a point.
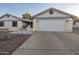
(10, 16)
(55, 10)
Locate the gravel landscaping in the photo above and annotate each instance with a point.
(8, 46)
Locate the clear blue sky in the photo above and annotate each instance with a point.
(34, 8)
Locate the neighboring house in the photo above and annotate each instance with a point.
(12, 23)
(76, 23)
(53, 20)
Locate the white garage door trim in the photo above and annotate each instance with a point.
(51, 25)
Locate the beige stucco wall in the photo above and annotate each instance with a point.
(69, 25)
(35, 25)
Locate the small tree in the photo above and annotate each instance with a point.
(27, 16)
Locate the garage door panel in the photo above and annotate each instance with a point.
(51, 25)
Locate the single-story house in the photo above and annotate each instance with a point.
(53, 19)
(12, 23)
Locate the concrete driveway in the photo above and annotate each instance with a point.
(50, 43)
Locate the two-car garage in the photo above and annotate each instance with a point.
(51, 25)
(53, 20)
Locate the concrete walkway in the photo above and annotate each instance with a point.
(47, 43)
(21, 32)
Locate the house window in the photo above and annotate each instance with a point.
(1, 23)
(14, 24)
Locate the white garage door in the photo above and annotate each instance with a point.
(51, 25)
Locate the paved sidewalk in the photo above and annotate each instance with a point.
(21, 32)
(47, 43)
